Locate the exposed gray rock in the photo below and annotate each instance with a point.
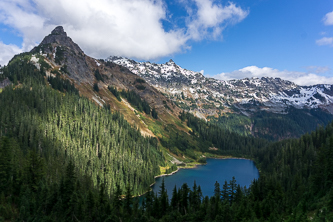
(250, 95)
(4, 83)
(68, 55)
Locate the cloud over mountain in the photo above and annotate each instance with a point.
(7, 52)
(300, 78)
(132, 28)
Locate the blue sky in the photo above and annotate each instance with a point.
(291, 39)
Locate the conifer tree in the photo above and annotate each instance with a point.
(174, 199)
(163, 198)
(117, 202)
(128, 200)
(5, 163)
(217, 191)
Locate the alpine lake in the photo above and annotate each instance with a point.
(219, 170)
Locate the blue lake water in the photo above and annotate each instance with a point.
(219, 170)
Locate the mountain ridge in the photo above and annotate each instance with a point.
(231, 104)
(248, 95)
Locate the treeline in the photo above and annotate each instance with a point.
(273, 126)
(20, 68)
(213, 135)
(234, 122)
(135, 100)
(63, 85)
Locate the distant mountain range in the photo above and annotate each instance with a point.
(207, 96)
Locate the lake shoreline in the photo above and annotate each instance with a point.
(167, 174)
(216, 169)
(188, 167)
(162, 175)
(198, 164)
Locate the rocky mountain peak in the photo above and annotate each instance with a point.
(171, 62)
(58, 37)
(64, 53)
(59, 30)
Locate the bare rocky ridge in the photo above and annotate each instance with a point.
(207, 96)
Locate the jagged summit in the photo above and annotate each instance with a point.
(167, 70)
(64, 53)
(59, 30)
(59, 37)
(171, 61)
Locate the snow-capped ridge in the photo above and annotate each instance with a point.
(199, 93)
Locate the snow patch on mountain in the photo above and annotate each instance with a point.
(195, 92)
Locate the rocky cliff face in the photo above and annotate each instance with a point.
(66, 55)
(208, 96)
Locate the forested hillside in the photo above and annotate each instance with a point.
(64, 126)
(274, 126)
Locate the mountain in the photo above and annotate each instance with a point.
(61, 65)
(265, 107)
(79, 137)
(208, 96)
(55, 111)
(65, 59)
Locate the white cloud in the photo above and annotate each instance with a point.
(210, 19)
(7, 52)
(328, 19)
(325, 41)
(300, 78)
(131, 28)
